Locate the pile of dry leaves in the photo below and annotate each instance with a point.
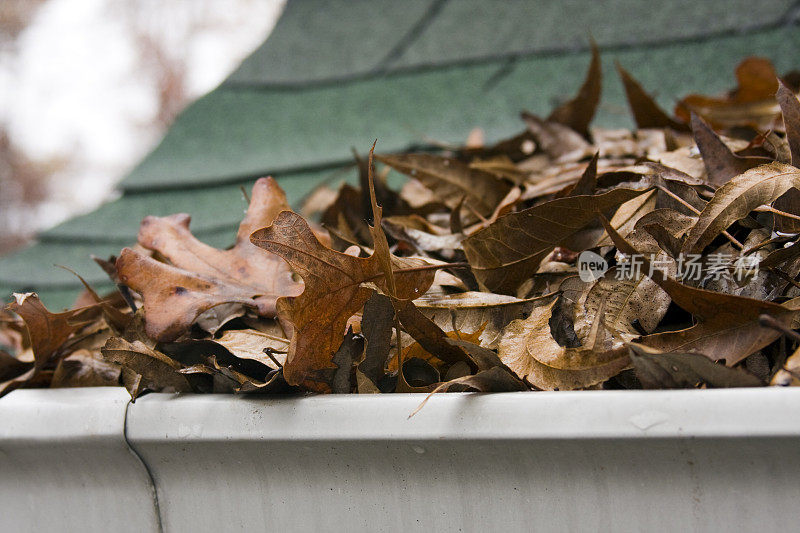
(562, 258)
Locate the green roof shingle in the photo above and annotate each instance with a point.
(337, 75)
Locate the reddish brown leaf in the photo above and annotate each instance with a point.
(48, 331)
(201, 277)
(751, 104)
(333, 293)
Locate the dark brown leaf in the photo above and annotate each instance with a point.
(646, 111)
(721, 164)
(790, 108)
(509, 251)
(159, 372)
(452, 180)
(376, 326)
(351, 349)
(727, 326)
(579, 112)
(670, 370)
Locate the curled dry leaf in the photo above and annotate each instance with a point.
(530, 351)
(201, 277)
(47, 333)
(737, 198)
(752, 103)
(472, 311)
(250, 344)
(624, 301)
(158, 371)
(85, 369)
(727, 326)
(578, 113)
(509, 251)
(646, 111)
(450, 180)
(333, 293)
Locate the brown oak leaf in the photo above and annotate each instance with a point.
(201, 277)
(334, 292)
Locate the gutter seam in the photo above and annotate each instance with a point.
(153, 487)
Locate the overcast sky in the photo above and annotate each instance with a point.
(80, 83)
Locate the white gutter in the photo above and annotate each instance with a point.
(65, 464)
(605, 460)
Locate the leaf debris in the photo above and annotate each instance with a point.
(564, 257)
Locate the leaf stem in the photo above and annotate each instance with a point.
(783, 275)
(269, 353)
(770, 209)
(696, 212)
(420, 269)
(768, 321)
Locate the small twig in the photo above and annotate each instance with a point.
(125, 291)
(269, 352)
(765, 242)
(244, 193)
(476, 213)
(784, 276)
(768, 321)
(770, 209)
(420, 269)
(696, 212)
(674, 196)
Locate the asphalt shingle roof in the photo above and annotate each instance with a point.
(336, 75)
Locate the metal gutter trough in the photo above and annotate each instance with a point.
(87, 460)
